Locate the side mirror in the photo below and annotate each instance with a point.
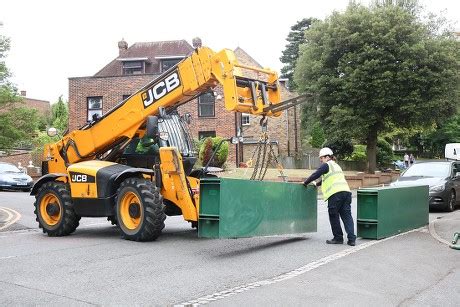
(51, 132)
(152, 127)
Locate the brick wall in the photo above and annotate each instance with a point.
(111, 89)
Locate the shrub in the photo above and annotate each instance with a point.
(207, 148)
(359, 153)
(384, 152)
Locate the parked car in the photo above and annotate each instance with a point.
(12, 178)
(442, 177)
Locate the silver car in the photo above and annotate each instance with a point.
(11, 178)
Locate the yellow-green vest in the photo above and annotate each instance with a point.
(333, 181)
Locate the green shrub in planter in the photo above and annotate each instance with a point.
(207, 148)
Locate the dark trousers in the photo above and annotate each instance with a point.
(339, 206)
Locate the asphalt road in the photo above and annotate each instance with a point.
(95, 267)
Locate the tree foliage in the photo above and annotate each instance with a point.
(291, 53)
(342, 148)
(60, 115)
(18, 126)
(8, 92)
(317, 135)
(17, 123)
(376, 68)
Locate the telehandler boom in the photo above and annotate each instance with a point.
(94, 171)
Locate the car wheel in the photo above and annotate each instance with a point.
(451, 202)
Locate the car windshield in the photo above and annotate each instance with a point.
(8, 168)
(441, 170)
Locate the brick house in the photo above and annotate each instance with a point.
(141, 62)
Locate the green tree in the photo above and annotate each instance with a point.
(342, 148)
(60, 115)
(291, 53)
(376, 68)
(17, 124)
(8, 93)
(446, 132)
(317, 136)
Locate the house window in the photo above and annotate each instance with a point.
(206, 105)
(167, 64)
(133, 67)
(245, 119)
(205, 134)
(94, 107)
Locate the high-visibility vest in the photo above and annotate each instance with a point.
(333, 181)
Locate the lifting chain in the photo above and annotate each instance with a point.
(264, 157)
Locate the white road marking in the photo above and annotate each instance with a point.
(13, 217)
(294, 273)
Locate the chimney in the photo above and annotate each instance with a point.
(122, 47)
(196, 42)
(23, 93)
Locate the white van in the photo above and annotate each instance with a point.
(452, 151)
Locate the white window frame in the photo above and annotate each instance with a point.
(207, 103)
(245, 119)
(91, 109)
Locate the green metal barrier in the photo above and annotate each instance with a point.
(383, 212)
(233, 208)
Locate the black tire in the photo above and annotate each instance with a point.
(59, 223)
(451, 202)
(147, 222)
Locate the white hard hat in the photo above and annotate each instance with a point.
(326, 151)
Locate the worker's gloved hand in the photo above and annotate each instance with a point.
(313, 183)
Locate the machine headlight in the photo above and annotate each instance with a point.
(164, 135)
(437, 188)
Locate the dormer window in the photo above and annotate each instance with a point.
(133, 67)
(166, 62)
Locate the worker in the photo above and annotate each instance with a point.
(336, 191)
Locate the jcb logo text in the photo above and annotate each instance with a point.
(79, 178)
(160, 89)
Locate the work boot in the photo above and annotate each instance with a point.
(351, 243)
(334, 241)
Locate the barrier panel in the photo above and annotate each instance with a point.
(386, 211)
(234, 208)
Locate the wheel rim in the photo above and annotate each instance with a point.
(129, 200)
(452, 200)
(49, 202)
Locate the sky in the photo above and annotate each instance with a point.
(52, 41)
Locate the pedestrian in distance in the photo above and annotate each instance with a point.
(411, 159)
(336, 191)
(406, 160)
